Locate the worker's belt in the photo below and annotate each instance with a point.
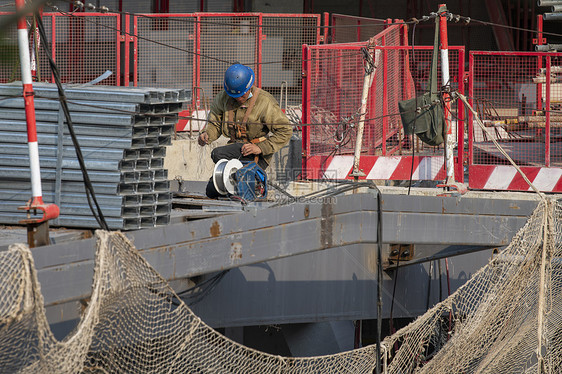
(258, 140)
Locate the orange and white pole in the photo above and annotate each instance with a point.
(50, 211)
(449, 141)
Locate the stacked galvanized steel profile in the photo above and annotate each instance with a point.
(123, 134)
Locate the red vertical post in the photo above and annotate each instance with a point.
(471, 101)
(384, 92)
(193, 38)
(405, 74)
(122, 39)
(197, 65)
(305, 108)
(261, 37)
(50, 211)
(547, 111)
(460, 121)
(135, 52)
(127, 51)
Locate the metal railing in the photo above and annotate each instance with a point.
(84, 46)
(207, 43)
(518, 96)
(331, 99)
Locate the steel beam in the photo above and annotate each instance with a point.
(184, 250)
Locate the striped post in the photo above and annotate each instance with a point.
(449, 158)
(50, 211)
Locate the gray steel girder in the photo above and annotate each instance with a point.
(200, 247)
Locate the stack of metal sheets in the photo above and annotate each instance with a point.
(123, 134)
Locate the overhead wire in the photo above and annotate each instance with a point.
(159, 115)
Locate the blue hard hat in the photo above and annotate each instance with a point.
(238, 79)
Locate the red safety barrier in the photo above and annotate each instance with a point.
(84, 46)
(207, 43)
(177, 50)
(518, 96)
(332, 85)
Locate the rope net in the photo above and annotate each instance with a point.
(494, 323)
(134, 323)
(506, 319)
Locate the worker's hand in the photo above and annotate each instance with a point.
(203, 139)
(250, 149)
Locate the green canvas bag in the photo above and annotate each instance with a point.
(428, 123)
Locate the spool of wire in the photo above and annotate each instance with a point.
(223, 176)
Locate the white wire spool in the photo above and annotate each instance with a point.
(222, 175)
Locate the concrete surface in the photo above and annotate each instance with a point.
(187, 161)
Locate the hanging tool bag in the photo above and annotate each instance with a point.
(423, 115)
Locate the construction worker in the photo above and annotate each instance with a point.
(250, 117)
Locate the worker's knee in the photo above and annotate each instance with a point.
(228, 152)
(215, 155)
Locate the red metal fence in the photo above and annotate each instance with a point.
(518, 95)
(333, 81)
(205, 44)
(83, 45)
(178, 50)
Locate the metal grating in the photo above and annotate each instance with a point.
(86, 46)
(281, 51)
(223, 41)
(165, 50)
(518, 96)
(332, 97)
(9, 69)
(336, 81)
(195, 50)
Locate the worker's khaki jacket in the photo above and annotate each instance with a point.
(266, 118)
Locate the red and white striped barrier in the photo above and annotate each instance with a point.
(505, 177)
(378, 167)
(192, 120)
